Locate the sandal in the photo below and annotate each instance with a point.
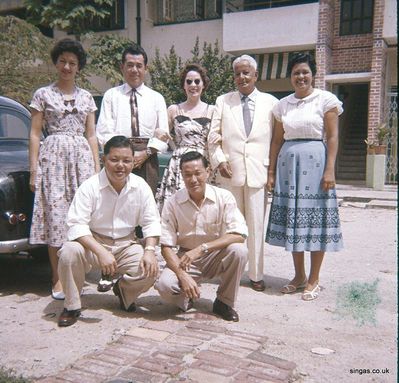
(310, 295)
(290, 288)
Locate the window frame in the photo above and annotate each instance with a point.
(351, 19)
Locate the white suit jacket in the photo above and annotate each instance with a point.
(227, 140)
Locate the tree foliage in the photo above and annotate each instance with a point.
(25, 59)
(165, 72)
(72, 16)
(106, 55)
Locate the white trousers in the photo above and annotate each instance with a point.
(252, 204)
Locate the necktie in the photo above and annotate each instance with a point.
(247, 115)
(135, 114)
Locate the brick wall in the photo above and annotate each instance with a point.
(353, 53)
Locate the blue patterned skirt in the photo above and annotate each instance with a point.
(303, 217)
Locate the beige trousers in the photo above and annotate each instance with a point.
(75, 261)
(252, 204)
(227, 264)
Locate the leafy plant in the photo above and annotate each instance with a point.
(165, 71)
(72, 16)
(382, 133)
(25, 59)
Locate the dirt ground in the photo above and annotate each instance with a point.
(355, 315)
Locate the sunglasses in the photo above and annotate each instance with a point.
(196, 81)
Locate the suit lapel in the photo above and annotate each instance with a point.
(236, 110)
(258, 111)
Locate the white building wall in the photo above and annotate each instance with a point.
(271, 30)
(389, 32)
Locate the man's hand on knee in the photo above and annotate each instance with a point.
(149, 264)
(188, 285)
(107, 262)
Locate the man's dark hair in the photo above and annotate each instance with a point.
(192, 156)
(135, 50)
(72, 46)
(117, 142)
(300, 57)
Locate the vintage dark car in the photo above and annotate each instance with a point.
(16, 200)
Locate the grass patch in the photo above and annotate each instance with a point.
(358, 301)
(8, 376)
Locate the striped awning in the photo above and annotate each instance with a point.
(272, 66)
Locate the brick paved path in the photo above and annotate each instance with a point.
(173, 351)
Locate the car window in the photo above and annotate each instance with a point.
(13, 124)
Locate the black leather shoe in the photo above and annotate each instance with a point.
(68, 318)
(258, 286)
(117, 292)
(225, 311)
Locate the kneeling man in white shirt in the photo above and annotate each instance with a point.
(101, 232)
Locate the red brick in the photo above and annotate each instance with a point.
(219, 358)
(196, 334)
(78, 376)
(166, 325)
(206, 327)
(244, 377)
(214, 368)
(184, 340)
(140, 376)
(273, 360)
(263, 370)
(97, 367)
(162, 367)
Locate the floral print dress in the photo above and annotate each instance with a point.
(189, 134)
(65, 161)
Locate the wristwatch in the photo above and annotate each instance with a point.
(148, 151)
(149, 248)
(204, 248)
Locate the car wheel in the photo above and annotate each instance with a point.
(39, 254)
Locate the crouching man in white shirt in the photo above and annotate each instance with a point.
(101, 222)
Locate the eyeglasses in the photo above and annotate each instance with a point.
(196, 81)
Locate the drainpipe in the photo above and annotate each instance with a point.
(138, 23)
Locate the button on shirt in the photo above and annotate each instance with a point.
(187, 225)
(98, 208)
(115, 116)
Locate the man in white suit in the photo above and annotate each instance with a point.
(239, 141)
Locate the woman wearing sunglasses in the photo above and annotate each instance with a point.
(67, 156)
(189, 124)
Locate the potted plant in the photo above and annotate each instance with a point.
(370, 146)
(382, 134)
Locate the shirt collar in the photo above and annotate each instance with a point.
(104, 181)
(182, 196)
(251, 96)
(127, 89)
(294, 100)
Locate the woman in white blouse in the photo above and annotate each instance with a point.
(304, 212)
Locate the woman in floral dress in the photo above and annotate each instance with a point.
(66, 157)
(189, 126)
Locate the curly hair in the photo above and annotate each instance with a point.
(195, 68)
(301, 57)
(72, 46)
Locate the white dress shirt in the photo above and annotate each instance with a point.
(99, 208)
(187, 225)
(251, 102)
(303, 118)
(115, 116)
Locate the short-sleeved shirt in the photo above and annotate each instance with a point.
(304, 117)
(188, 226)
(98, 208)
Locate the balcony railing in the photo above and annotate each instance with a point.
(250, 5)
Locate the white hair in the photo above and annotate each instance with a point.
(252, 62)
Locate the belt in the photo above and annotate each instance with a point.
(304, 139)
